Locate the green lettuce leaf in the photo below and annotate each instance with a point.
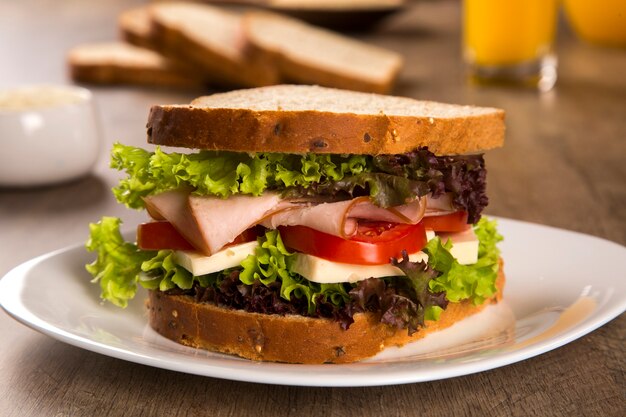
(475, 282)
(384, 190)
(419, 275)
(135, 161)
(161, 272)
(387, 179)
(118, 263)
(273, 262)
(223, 174)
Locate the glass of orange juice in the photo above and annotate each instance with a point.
(601, 22)
(511, 41)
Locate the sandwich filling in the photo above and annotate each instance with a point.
(320, 235)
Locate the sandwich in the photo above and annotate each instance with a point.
(305, 224)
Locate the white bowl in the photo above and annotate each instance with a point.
(48, 134)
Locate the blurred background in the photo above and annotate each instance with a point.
(558, 69)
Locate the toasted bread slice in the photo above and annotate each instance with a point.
(120, 63)
(300, 119)
(310, 55)
(289, 338)
(211, 38)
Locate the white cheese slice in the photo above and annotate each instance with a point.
(229, 257)
(313, 268)
(464, 245)
(327, 272)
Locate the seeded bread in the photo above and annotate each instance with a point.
(310, 55)
(120, 63)
(212, 39)
(301, 119)
(291, 338)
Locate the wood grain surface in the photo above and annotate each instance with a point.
(564, 164)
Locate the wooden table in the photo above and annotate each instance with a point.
(563, 165)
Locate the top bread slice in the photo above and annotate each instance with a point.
(302, 119)
(211, 38)
(311, 55)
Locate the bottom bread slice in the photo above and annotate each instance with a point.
(289, 338)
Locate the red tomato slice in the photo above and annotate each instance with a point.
(162, 235)
(374, 244)
(454, 222)
(248, 235)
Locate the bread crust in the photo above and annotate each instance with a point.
(245, 130)
(291, 339)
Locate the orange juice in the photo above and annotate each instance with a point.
(508, 32)
(598, 21)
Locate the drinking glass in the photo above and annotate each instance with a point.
(511, 41)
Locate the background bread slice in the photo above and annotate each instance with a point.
(211, 38)
(330, 5)
(311, 55)
(293, 339)
(135, 26)
(300, 119)
(120, 63)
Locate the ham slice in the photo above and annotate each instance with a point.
(209, 223)
(331, 218)
(410, 213)
(341, 218)
(173, 206)
(440, 206)
(220, 221)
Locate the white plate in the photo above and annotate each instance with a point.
(560, 286)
